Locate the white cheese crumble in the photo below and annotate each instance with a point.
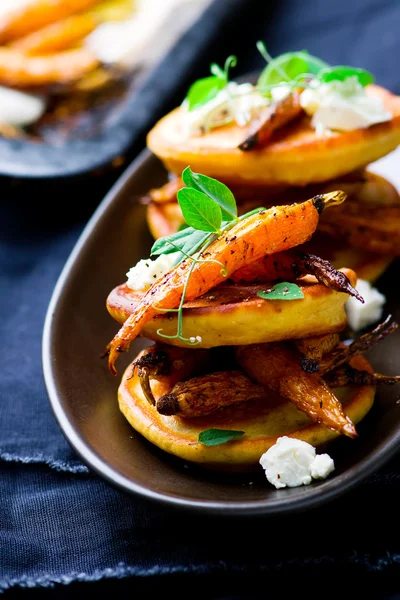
(10, 6)
(147, 271)
(322, 466)
(19, 108)
(342, 106)
(361, 315)
(146, 35)
(291, 463)
(234, 103)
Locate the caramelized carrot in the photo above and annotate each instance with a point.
(166, 193)
(273, 118)
(348, 375)
(18, 70)
(58, 36)
(277, 367)
(38, 13)
(268, 231)
(291, 265)
(165, 366)
(343, 354)
(204, 395)
(314, 348)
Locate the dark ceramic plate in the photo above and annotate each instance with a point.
(97, 131)
(83, 393)
(102, 130)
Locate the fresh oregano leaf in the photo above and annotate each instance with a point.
(215, 437)
(199, 211)
(340, 73)
(216, 190)
(283, 291)
(203, 90)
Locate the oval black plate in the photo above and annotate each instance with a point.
(83, 394)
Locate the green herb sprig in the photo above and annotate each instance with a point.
(209, 209)
(296, 68)
(215, 437)
(282, 291)
(206, 89)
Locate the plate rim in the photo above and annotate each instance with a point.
(313, 497)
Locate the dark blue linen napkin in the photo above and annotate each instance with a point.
(61, 524)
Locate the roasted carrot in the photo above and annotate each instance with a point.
(58, 36)
(277, 367)
(204, 395)
(36, 14)
(164, 219)
(166, 193)
(291, 265)
(342, 354)
(268, 231)
(165, 366)
(18, 70)
(273, 118)
(315, 347)
(348, 375)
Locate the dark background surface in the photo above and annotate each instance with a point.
(60, 524)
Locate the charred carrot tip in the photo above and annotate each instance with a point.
(111, 361)
(350, 430)
(323, 201)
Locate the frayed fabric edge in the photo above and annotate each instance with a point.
(39, 459)
(378, 564)
(119, 572)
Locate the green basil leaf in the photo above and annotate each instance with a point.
(162, 245)
(199, 211)
(340, 73)
(214, 437)
(288, 66)
(216, 190)
(283, 291)
(204, 90)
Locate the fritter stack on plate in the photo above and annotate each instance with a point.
(305, 128)
(246, 330)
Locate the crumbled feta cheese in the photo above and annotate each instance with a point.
(234, 103)
(147, 271)
(10, 6)
(322, 466)
(342, 105)
(361, 315)
(131, 42)
(19, 108)
(291, 463)
(280, 92)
